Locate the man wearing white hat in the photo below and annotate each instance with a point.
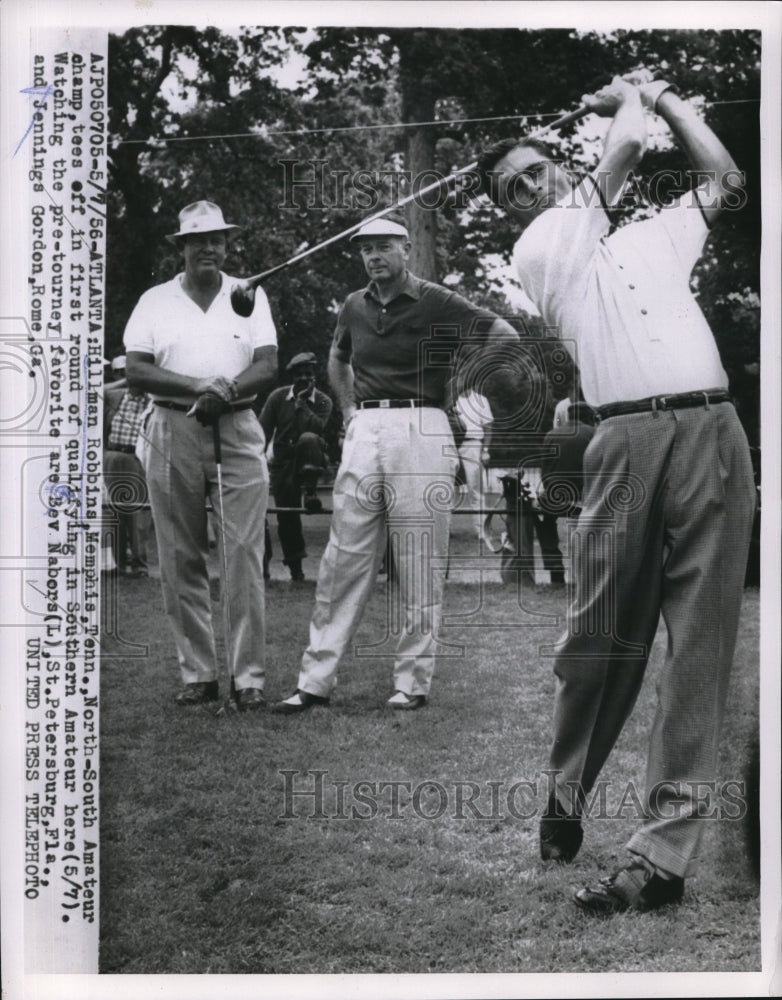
(203, 364)
(391, 358)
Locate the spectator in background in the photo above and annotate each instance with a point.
(562, 482)
(522, 404)
(293, 419)
(124, 480)
(527, 521)
(562, 409)
(112, 393)
(474, 416)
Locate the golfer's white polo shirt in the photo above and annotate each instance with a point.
(181, 337)
(622, 303)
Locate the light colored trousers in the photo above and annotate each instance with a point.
(470, 451)
(665, 529)
(181, 473)
(396, 475)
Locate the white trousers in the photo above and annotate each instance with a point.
(397, 478)
(470, 451)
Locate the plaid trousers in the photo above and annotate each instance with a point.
(665, 529)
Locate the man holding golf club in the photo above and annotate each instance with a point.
(668, 497)
(391, 358)
(203, 365)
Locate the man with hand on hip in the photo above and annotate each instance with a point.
(203, 364)
(391, 358)
(667, 479)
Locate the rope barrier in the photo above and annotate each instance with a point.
(132, 508)
(438, 123)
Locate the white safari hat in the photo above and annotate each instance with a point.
(200, 217)
(381, 227)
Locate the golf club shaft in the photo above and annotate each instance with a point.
(224, 589)
(254, 281)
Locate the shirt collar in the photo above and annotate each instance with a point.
(137, 402)
(225, 285)
(311, 396)
(411, 288)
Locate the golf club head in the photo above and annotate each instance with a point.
(243, 300)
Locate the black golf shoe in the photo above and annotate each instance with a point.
(198, 693)
(636, 886)
(299, 701)
(250, 699)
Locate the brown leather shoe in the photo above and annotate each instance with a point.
(250, 699)
(635, 886)
(198, 693)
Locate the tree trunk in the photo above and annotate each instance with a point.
(418, 103)
(422, 221)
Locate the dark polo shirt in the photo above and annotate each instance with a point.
(406, 348)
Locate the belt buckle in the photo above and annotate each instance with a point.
(385, 404)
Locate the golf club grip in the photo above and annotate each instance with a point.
(216, 441)
(569, 118)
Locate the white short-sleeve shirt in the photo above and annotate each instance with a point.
(622, 303)
(182, 338)
(475, 414)
(561, 412)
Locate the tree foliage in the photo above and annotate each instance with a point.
(243, 138)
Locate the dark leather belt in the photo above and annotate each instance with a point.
(391, 404)
(126, 449)
(169, 404)
(678, 401)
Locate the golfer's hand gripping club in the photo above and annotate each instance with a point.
(208, 408)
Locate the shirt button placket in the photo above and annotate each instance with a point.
(644, 312)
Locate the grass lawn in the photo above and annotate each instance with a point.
(210, 865)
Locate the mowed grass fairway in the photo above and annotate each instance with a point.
(202, 871)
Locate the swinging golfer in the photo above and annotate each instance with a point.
(669, 495)
(201, 364)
